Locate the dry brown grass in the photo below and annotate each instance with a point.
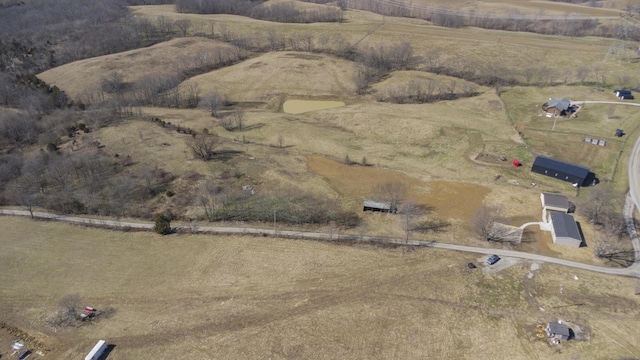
(81, 78)
(242, 297)
(526, 7)
(268, 76)
(428, 142)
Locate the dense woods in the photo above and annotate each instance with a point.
(259, 9)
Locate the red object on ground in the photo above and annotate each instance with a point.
(89, 309)
(516, 163)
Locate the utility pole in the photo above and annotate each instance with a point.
(274, 222)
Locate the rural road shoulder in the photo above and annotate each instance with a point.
(633, 271)
(633, 200)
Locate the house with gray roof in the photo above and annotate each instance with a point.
(558, 107)
(564, 230)
(558, 331)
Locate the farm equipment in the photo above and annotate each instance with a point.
(87, 313)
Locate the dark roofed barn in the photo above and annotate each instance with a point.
(561, 170)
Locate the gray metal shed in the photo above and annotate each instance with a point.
(564, 230)
(558, 330)
(555, 202)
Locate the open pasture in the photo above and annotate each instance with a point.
(81, 79)
(514, 7)
(453, 141)
(241, 297)
(565, 140)
(244, 297)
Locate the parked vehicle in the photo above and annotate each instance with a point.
(493, 259)
(24, 355)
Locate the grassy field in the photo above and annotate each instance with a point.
(186, 296)
(82, 78)
(607, 8)
(448, 148)
(241, 297)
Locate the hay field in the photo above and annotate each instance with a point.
(295, 74)
(513, 49)
(81, 78)
(241, 297)
(505, 7)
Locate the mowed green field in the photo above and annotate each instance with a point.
(183, 296)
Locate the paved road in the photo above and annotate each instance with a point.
(604, 102)
(630, 272)
(633, 199)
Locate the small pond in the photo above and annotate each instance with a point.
(303, 106)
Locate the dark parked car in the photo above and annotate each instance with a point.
(24, 355)
(493, 259)
(471, 265)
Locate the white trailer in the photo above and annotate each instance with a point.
(97, 350)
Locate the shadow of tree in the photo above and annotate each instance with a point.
(225, 155)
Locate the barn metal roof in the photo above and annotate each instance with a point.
(561, 166)
(377, 204)
(565, 226)
(559, 329)
(555, 200)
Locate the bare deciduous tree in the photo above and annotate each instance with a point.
(609, 247)
(203, 146)
(392, 192)
(431, 225)
(600, 201)
(69, 311)
(183, 25)
(582, 73)
(227, 122)
(240, 117)
(165, 25)
(213, 102)
(484, 220)
(113, 83)
(409, 209)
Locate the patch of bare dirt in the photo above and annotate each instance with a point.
(447, 199)
(490, 159)
(10, 334)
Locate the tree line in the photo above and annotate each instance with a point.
(514, 21)
(40, 34)
(287, 205)
(285, 12)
